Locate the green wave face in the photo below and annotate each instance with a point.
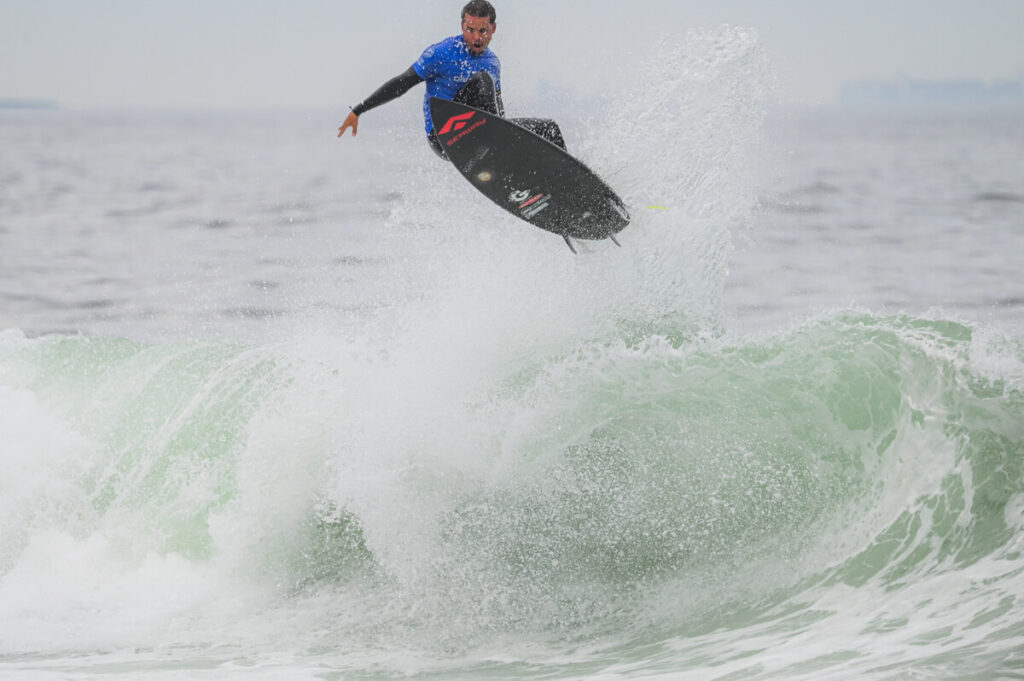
(677, 486)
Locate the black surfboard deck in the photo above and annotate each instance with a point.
(526, 174)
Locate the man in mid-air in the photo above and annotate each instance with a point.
(461, 68)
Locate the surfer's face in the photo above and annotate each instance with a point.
(477, 32)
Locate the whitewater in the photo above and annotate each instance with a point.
(278, 406)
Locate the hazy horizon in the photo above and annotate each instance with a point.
(318, 54)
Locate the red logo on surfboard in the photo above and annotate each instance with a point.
(456, 123)
(530, 205)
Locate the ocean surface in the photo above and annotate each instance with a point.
(275, 405)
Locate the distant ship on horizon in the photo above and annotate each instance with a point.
(919, 91)
(14, 103)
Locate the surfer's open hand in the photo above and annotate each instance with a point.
(351, 121)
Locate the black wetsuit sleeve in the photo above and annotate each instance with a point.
(394, 88)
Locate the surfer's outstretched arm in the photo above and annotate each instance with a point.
(394, 88)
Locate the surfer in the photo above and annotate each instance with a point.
(461, 68)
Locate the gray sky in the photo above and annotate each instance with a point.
(330, 53)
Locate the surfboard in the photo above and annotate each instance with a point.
(527, 175)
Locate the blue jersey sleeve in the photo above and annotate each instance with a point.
(426, 65)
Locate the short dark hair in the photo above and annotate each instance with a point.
(480, 8)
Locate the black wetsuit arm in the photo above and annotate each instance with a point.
(393, 89)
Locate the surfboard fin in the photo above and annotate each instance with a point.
(569, 243)
(614, 240)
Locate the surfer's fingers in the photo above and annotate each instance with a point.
(352, 121)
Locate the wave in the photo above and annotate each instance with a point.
(854, 450)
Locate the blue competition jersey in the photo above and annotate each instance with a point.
(447, 66)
